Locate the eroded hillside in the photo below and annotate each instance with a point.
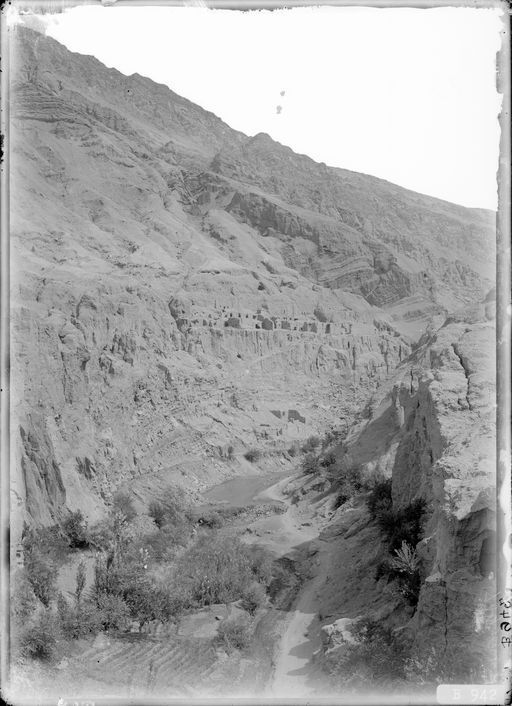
(180, 290)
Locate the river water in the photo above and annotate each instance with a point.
(245, 490)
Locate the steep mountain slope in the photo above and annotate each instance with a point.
(181, 292)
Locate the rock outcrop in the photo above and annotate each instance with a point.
(432, 430)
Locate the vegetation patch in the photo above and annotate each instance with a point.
(253, 455)
(376, 657)
(234, 633)
(221, 570)
(402, 530)
(312, 443)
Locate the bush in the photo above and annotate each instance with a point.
(403, 568)
(254, 597)
(320, 315)
(47, 542)
(379, 500)
(292, 451)
(311, 444)
(220, 569)
(310, 463)
(234, 633)
(79, 621)
(466, 665)
(23, 600)
(75, 529)
(252, 455)
(174, 598)
(402, 529)
(406, 560)
(402, 525)
(122, 504)
(341, 499)
(113, 612)
(39, 639)
(261, 563)
(350, 484)
(106, 579)
(101, 535)
(145, 601)
(80, 581)
(42, 575)
(176, 506)
(163, 545)
(157, 512)
(333, 436)
(328, 460)
(376, 657)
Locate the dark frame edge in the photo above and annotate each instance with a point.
(503, 346)
(4, 358)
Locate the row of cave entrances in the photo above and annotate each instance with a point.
(271, 324)
(267, 324)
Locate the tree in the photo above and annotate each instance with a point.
(123, 505)
(23, 598)
(80, 580)
(42, 574)
(145, 601)
(113, 612)
(406, 560)
(254, 597)
(76, 530)
(157, 512)
(39, 638)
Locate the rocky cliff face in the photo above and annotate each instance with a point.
(433, 431)
(179, 288)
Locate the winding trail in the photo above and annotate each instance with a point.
(294, 668)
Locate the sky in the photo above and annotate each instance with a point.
(404, 94)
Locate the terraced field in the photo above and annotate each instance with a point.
(131, 666)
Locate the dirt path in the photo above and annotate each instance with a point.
(294, 670)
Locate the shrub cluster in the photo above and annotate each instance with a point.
(75, 528)
(234, 633)
(38, 638)
(122, 590)
(402, 529)
(254, 597)
(220, 570)
(253, 455)
(320, 314)
(309, 463)
(171, 509)
(398, 526)
(376, 657)
(312, 443)
(350, 483)
(153, 576)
